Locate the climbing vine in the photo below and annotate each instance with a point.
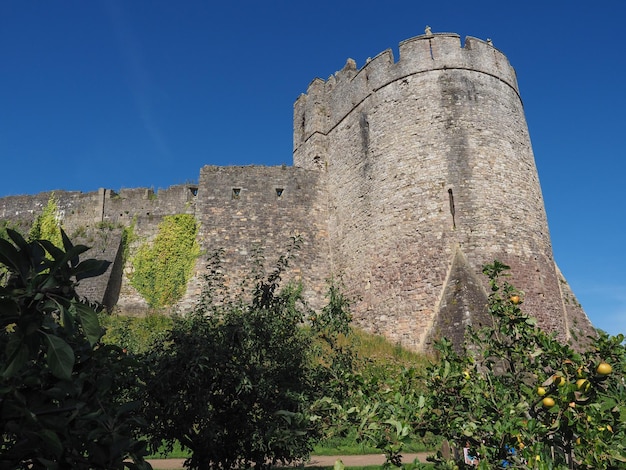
(128, 238)
(46, 226)
(161, 270)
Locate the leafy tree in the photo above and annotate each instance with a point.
(522, 397)
(230, 380)
(519, 397)
(62, 393)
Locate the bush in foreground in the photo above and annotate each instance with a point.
(60, 405)
(230, 380)
(517, 396)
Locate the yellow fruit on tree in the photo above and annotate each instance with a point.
(583, 384)
(604, 368)
(514, 299)
(548, 402)
(541, 391)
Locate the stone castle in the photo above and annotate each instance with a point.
(408, 176)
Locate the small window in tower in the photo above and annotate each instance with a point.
(193, 190)
(279, 192)
(451, 201)
(236, 193)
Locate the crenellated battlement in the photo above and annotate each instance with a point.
(326, 103)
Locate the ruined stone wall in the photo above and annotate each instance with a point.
(80, 211)
(76, 209)
(144, 204)
(272, 205)
(96, 219)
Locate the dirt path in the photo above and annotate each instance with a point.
(315, 461)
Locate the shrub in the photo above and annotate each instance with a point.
(489, 395)
(136, 335)
(229, 381)
(63, 392)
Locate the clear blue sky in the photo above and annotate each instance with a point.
(122, 94)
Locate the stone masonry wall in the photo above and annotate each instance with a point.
(274, 204)
(244, 209)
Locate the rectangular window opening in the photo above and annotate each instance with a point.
(452, 209)
(236, 193)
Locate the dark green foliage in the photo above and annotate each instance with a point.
(334, 345)
(230, 380)
(62, 392)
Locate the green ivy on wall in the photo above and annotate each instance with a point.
(128, 238)
(46, 226)
(162, 270)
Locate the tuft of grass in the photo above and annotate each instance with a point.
(177, 453)
(348, 445)
(342, 445)
(410, 466)
(380, 350)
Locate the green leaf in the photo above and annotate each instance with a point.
(89, 320)
(9, 310)
(607, 404)
(446, 369)
(90, 268)
(17, 352)
(56, 252)
(52, 441)
(9, 255)
(60, 357)
(17, 238)
(71, 255)
(68, 246)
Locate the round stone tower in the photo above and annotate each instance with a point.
(430, 175)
